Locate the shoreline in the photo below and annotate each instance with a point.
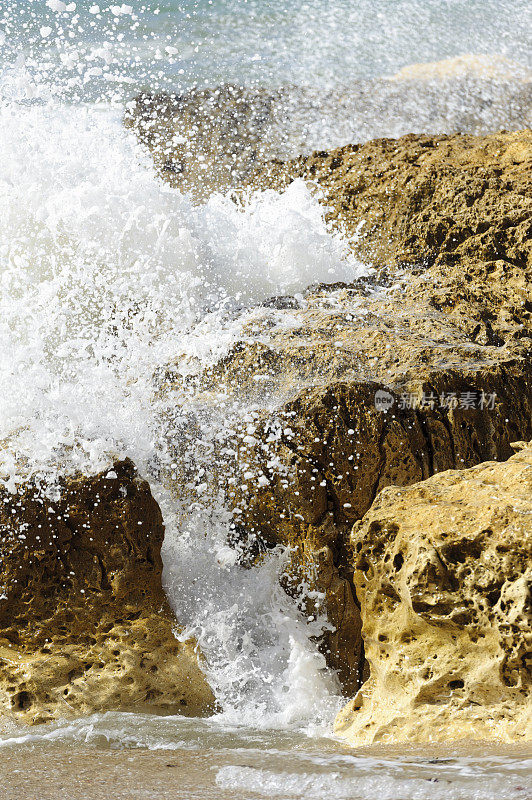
(79, 772)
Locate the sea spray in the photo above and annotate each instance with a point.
(107, 276)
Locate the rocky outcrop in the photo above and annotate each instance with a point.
(455, 211)
(302, 474)
(486, 66)
(443, 572)
(205, 140)
(84, 623)
(220, 138)
(424, 367)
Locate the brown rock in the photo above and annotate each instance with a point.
(457, 208)
(301, 475)
(220, 138)
(84, 622)
(446, 329)
(458, 212)
(204, 140)
(443, 573)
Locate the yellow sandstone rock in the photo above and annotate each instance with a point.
(443, 570)
(481, 66)
(456, 211)
(84, 622)
(448, 222)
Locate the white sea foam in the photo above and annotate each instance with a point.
(108, 274)
(257, 762)
(458, 783)
(259, 659)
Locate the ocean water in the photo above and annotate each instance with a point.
(135, 756)
(265, 42)
(107, 274)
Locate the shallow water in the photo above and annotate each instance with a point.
(169, 757)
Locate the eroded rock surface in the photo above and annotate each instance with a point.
(301, 473)
(443, 572)
(217, 138)
(442, 330)
(455, 209)
(84, 623)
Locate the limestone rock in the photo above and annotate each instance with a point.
(443, 572)
(449, 221)
(486, 67)
(444, 325)
(456, 209)
(313, 465)
(84, 622)
(220, 138)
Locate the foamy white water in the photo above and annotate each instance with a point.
(179, 758)
(107, 274)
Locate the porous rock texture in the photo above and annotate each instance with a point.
(443, 572)
(314, 465)
(442, 328)
(84, 623)
(455, 211)
(303, 473)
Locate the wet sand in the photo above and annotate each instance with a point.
(53, 771)
(61, 771)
